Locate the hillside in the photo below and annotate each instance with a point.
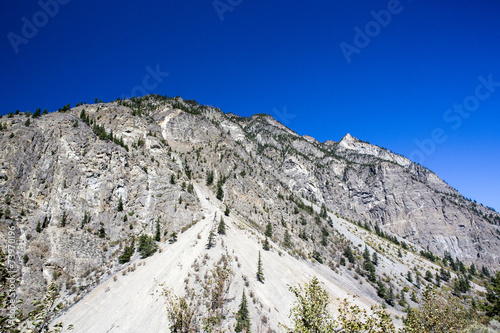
(80, 186)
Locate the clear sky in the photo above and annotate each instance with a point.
(421, 78)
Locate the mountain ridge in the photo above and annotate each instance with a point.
(66, 173)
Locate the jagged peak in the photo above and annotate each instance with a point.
(349, 138)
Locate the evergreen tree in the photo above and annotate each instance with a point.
(349, 255)
(269, 230)
(173, 237)
(210, 242)
(222, 227)
(366, 254)
(375, 258)
(120, 204)
(64, 219)
(127, 253)
(472, 269)
(260, 272)
(37, 113)
(227, 211)
(492, 307)
(27, 122)
(323, 212)
(220, 192)
(172, 179)
(210, 178)
(381, 290)
(266, 245)
(243, 316)
(147, 246)
(102, 232)
(287, 239)
(428, 276)
(38, 228)
(157, 234)
(485, 271)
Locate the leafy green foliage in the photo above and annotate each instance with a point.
(310, 313)
(181, 315)
(439, 312)
(492, 307)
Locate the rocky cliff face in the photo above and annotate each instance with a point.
(63, 185)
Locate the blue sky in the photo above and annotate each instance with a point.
(283, 58)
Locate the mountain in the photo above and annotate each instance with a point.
(81, 186)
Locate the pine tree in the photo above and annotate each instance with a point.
(210, 178)
(366, 254)
(222, 227)
(492, 306)
(227, 211)
(27, 123)
(120, 204)
(220, 192)
(243, 316)
(64, 219)
(172, 179)
(349, 255)
(102, 232)
(173, 237)
(287, 239)
(260, 272)
(375, 258)
(38, 228)
(210, 243)
(269, 230)
(157, 234)
(37, 113)
(266, 245)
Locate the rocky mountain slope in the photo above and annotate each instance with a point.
(78, 186)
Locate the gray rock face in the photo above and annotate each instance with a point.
(57, 171)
